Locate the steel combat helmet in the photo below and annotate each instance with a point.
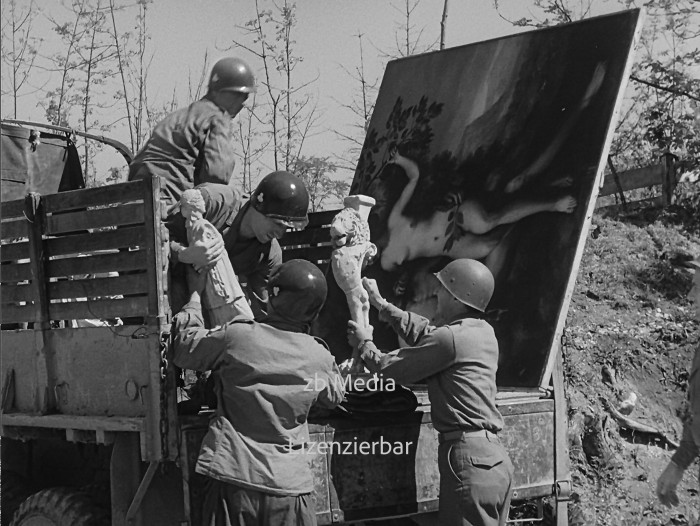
(282, 195)
(469, 281)
(297, 290)
(232, 74)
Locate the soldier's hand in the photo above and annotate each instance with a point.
(375, 298)
(195, 281)
(358, 334)
(667, 484)
(203, 255)
(356, 364)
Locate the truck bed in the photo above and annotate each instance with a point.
(88, 379)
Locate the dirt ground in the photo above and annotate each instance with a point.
(630, 329)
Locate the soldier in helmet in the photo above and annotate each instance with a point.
(253, 452)
(249, 229)
(194, 145)
(458, 359)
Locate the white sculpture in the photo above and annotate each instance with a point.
(223, 297)
(352, 252)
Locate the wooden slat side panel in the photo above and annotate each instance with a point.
(129, 214)
(311, 253)
(17, 313)
(84, 310)
(104, 195)
(12, 209)
(15, 272)
(311, 243)
(98, 264)
(12, 294)
(322, 218)
(18, 228)
(86, 243)
(98, 287)
(306, 236)
(14, 251)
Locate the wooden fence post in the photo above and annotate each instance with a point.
(620, 191)
(668, 186)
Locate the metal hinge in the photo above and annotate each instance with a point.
(562, 490)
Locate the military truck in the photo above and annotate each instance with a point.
(90, 427)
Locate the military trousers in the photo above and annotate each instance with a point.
(476, 477)
(230, 505)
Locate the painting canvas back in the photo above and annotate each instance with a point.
(493, 151)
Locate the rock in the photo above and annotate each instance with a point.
(609, 375)
(627, 405)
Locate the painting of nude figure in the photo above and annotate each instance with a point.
(493, 151)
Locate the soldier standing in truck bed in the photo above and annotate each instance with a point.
(194, 145)
(458, 359)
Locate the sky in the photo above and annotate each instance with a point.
(183, 31)
(326, 38)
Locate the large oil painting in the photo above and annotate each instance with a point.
(493, 151)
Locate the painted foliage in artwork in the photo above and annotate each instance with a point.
(491, 151)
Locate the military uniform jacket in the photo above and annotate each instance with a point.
(252, 261)
(266, 381)
(458, 362)
(190, 146)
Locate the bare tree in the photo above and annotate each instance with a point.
(316, 174)
(195, 87)
(83, 67)
(443, 24)
(361, 106)
(253, 145)
(66, 63)
(546, 13)
(409, 38)
(95, 54)
(19, 49)
(133, 62)
(289, 111)
(156, 111)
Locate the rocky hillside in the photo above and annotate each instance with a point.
(630, 334)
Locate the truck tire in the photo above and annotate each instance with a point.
(60, 507)
(13, 490)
